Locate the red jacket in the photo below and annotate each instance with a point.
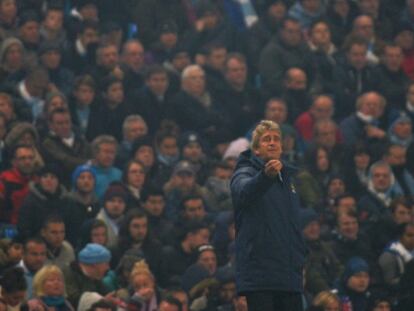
(14, 187)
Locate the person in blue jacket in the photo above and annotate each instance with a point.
(270, 251)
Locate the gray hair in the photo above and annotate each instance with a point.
(263, 126)
(131, 119)
(100, 140)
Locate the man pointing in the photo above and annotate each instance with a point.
(270, 251)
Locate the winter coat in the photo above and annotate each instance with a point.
(270, 251)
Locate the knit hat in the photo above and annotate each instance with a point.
(139, 142)
(94, 253)
(354, 266)
(205, 7)
(183, 167)
(188, 138)
(195, 279)
(306, 216)
(6, 44)
(81, 169)
(115, 189)
(168, 26)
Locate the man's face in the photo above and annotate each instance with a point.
(115, 93)
(208, 260)
(96, 271)
(322, 108)
(84, 94)
(276, 111)
(155, 205)
(54, 20)
(136, 130)
(138, 229)
(312, 231)
(320, 34)
(105, 157)
(184, 181)
(357, 56)
(269, 146)
(168, 39)
(99, 235)
(61, 125)
(381, 178)
(396, 156)
(364, 27)
(34, 256)
(408, 238)
(158, 83)
(89, 36)
(393, 58)
(133, 55)
(29, 32)
(359, 282)
(108, 57)
(228, 292)
(89, 12)
(195, 82)
(402, 214)
(51, 59)
(369, 7)
(296, 80)
(311, 5)
(326, 135)
(181, 60)
(145, 154)
(6, 108)
(115, 207)
(403, 129)
(348, 227)
(236, 72)
(49, 183)
(85, 182)
(194, 209)
(169, 147)
(291, 34)
(24, 160)
(54, 234)
(217, 58)
(192, 151)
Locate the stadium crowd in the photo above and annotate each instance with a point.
(121, 123)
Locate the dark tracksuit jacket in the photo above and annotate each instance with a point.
(270, 251)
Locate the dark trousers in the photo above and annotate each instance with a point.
(274, 301)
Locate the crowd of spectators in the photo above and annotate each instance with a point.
(121, 123)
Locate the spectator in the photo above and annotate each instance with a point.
(34, 258)
(21, 173)
(28, 33)
(132, 62)
(104, 152)
(113, 211)
(134, 127)
(327, 301)
(93, 231)
(400, 131)
(134, 179)
(86, 274)
(63, 146)
(283, 52)
(307, 11)
(382, 188)
(108, 117)
(353, 290)
(13, 288)
(49, 289)
(12, 68)
(85, 202)
(152, 102)
(207, 258)
(81, 103)
(59, 251)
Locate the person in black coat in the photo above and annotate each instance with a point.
(270, 251)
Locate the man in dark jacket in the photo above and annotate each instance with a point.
(270, 251)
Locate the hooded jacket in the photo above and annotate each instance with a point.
(270, 251)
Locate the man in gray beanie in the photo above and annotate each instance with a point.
(87, 273)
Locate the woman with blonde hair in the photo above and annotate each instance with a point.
(327, 300)
(144, 286)
(49, 290)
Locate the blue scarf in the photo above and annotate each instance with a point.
(53, 301)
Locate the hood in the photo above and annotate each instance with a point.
(18, 130)
(36, 191)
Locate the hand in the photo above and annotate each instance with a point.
(273, 167)
(374, 132)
